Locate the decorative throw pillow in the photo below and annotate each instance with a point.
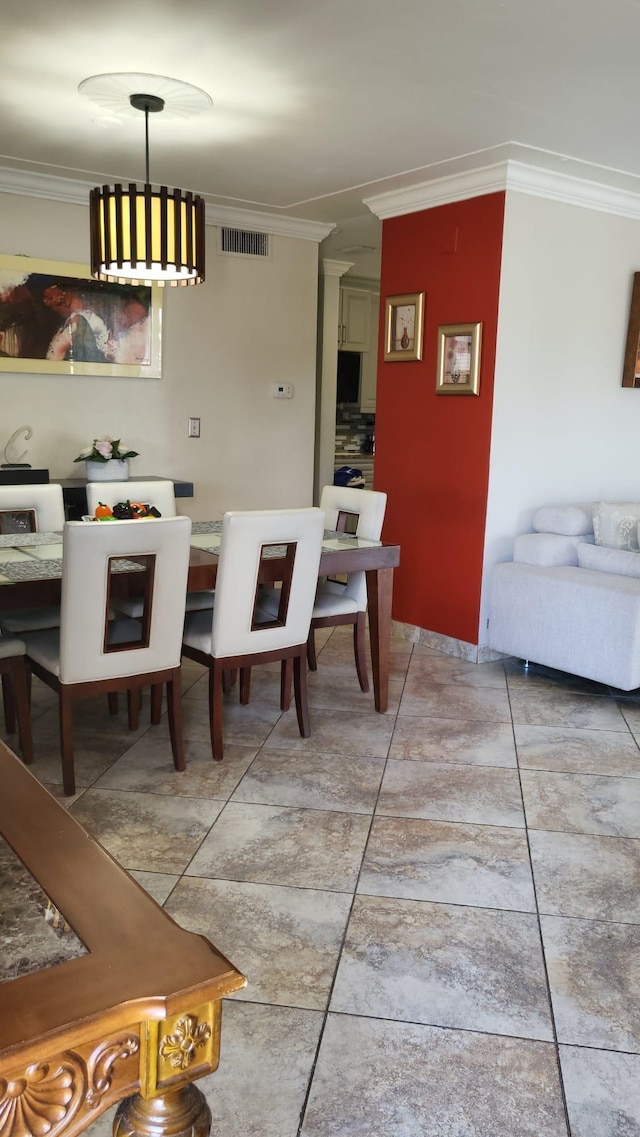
(619, 561)
(615, 524)
(568, 520)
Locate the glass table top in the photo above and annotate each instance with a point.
(38, 556)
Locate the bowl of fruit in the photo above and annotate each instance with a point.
(124, 511)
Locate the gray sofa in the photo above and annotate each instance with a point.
(570, 599)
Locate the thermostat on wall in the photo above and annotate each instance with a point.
(282, 390)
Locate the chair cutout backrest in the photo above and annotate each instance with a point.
(246, 537)
(160, 493)
(341, 504)
(161, 550)
(44, 502)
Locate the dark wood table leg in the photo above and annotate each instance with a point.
(379, 595)
(174, 1113)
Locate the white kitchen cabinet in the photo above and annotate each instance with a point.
(354, 329)
(369, 368)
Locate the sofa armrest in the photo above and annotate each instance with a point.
(549, 549)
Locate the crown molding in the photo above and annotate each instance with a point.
(335, 268)
(267, 222)
(504, 176)
(76, 192)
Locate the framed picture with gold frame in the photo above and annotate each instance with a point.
(458, 368)
(403, 329)
(56, 320)
(631, 368)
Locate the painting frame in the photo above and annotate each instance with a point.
(411, 305)
(466, 380)
(631, 366)
(141, 338)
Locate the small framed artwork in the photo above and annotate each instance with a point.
(631, 369)
(403, 332)
(56, 320)
(458, 371)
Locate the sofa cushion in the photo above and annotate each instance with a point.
(615, 524)
(602, 559)
(568, 520)
(548, 549)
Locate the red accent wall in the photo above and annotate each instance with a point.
(432, 451)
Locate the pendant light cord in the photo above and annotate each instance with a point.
(146, 142)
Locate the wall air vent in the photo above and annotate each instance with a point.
(243, 243)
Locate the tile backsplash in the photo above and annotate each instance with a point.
(355, 433)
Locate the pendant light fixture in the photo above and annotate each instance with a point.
(146, 234)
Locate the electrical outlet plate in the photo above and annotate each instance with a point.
(194, 428)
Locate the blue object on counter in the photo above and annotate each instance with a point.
(348, 476)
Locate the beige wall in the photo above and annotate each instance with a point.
(252, 324)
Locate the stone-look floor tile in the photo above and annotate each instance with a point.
(336, 687)
(594, 975)
(353, 735)
(393, 1079)
(425, 697)
(482, 795)
(447, 669)
(603, 1092)
(153, 832)
(91, 717)
(469, 743)
(92, 755)
(575, 751)
(157, 884)
(582, 803)
(631, 714)
(246, 726)
(285, 940)
(537, 677)
(592, 878)
(444, 965)
(265, 687)
(565, 709)
(479, 865)
(266, 1058)
(148, 768)
(57, 790)
(313, 781)
(301, 848)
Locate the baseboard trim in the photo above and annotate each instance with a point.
(448, 645)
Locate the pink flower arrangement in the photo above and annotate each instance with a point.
(104, 449)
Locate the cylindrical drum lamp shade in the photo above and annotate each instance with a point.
(152, 236)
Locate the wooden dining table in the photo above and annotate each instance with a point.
(103, 997)
(31, 572)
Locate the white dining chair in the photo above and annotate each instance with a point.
(89, 653)
(15, 691)
(45, 502)
(236, 636)
(339, 602)
(344, 602)
(161, 493)
(43, 507)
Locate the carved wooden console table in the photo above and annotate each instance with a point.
(102, 996)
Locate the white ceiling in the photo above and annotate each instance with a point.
(318, 104)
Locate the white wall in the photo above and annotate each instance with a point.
(253, 323)
(563, 427)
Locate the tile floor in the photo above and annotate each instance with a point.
(438, 909)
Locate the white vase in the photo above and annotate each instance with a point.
(115, 470)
